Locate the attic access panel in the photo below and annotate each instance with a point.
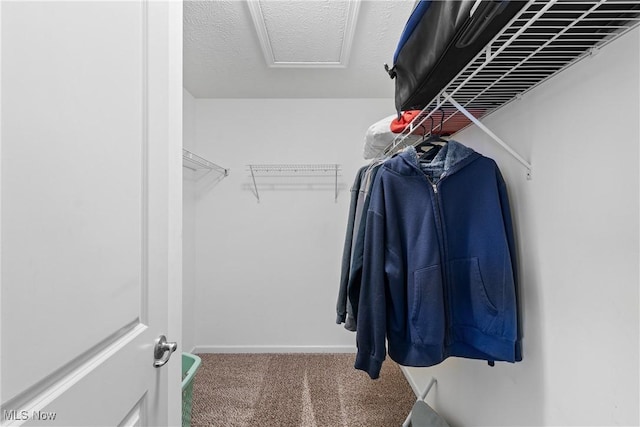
(305, 33)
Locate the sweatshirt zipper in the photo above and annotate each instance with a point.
(443, 257)
(448, 316)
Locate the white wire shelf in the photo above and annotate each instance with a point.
(307, 176)
(543, 39)
(196, 164)
(295, 169)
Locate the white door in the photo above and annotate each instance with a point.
(91, 180)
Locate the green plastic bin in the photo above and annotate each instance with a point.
(190, 364)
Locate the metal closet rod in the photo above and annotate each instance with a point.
(276, 168)
(439, 104)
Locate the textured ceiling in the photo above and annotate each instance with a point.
(223, 57)
(321, 24)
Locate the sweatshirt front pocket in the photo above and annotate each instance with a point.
(470, 304)
(427, 307)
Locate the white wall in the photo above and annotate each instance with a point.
(268, 272)
(577, 228)
(188, 228)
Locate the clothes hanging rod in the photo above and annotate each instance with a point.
(296, 168)
(448, 98)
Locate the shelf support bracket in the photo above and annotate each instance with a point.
(255, 186)
(488, 131)
(336, 199)
(201, 164)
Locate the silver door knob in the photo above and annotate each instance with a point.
(162, 351)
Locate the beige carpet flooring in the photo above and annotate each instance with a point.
(297, 390)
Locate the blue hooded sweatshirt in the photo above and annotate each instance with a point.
(439, 273)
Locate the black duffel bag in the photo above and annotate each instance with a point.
(439, 39)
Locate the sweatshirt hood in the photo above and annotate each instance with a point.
(451, 156)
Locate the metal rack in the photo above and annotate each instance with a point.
(546, 37)
(197, 164)
(317, 175)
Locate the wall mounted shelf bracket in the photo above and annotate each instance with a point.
(195, 163)
(488, 131)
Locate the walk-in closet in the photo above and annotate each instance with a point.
(267, 247)
(320, 213)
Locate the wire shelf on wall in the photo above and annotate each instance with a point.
(198, 164)
(276, 176)
(546, 37)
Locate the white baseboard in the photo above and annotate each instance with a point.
(410, 380)
(274, 349)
